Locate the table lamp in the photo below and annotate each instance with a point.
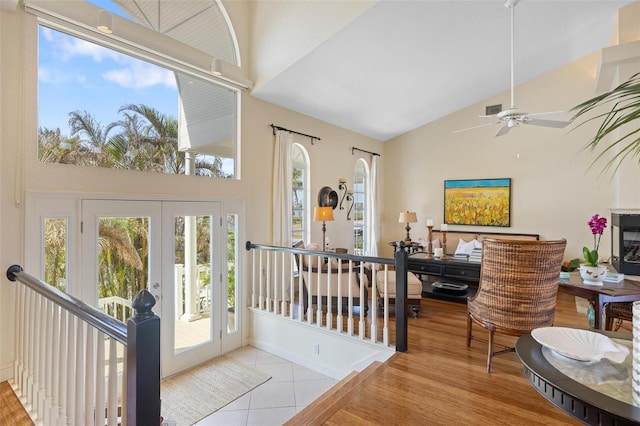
(323, 214)
(407, 217)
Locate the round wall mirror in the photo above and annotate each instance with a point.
(327, 197)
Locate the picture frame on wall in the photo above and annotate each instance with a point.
(481, 202)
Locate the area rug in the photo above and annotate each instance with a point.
(196, 393)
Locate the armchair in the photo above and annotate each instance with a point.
(329, 280)
(517, 290)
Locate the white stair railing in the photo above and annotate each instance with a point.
(72, 359)
(333, 291)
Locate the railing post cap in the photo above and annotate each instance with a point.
(143, 302)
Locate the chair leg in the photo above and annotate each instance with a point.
(608, 322)
(490, 353)
(469, 323)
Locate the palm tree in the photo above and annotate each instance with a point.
(93, 135)
(623, 108)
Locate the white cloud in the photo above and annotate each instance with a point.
(140, 75)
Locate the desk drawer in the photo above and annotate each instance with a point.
(461, 272)
(431, 269)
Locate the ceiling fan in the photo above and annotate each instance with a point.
(513, 117)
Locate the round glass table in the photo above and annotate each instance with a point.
(596, 393)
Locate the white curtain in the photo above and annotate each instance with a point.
(374, 219)
(282, 190)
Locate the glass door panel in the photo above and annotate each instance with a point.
(191, 260)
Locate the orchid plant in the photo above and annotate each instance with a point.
(597, 225)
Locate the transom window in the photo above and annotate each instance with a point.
(105, 105)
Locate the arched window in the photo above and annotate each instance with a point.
(300, 196)
(360, 206)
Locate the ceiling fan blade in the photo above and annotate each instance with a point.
(474, 127)
(503, 130)
(547, 123)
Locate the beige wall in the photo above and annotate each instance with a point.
(331, 158)
(554, 193)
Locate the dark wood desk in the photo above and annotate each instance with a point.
(583, 403)
(467, 272)
(598, 296)
(448, 269)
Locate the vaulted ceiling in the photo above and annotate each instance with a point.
(401, 64)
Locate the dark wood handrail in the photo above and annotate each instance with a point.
(363, 259)
(91, 315)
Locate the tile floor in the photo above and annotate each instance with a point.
(290, 389)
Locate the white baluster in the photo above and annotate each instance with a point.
(385, 330)
(350, 314)
(339, 323)
(71, 371)
(261, 283)
(90, 378)
(112, 390)
(329, 302)
(100, 376)
(253, 279)
(373, 310)
(62, 365)
(309, 297)
(123, 388)
(318, 297)
(361, 327)
(80, 371)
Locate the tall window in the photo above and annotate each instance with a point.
(360, 207)
(300, 196)
(104, 105)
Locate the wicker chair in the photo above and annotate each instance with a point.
(517, 290)
(618, 311)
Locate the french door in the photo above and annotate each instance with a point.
(173, 249)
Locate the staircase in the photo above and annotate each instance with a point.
(320, 410)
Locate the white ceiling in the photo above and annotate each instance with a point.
(402, 64)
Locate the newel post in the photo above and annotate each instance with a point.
(402, 305)
(143, 362)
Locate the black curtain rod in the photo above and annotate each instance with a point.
(353, 148)
(274, 127)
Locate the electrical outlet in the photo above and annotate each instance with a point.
(316, 348)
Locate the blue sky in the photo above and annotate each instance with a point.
(76, 75)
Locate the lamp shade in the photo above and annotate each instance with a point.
(407, 217)
(323, 213)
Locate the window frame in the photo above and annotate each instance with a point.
(143, 44)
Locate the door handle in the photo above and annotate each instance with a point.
(156, 286)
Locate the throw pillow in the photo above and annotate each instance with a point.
(465, 247)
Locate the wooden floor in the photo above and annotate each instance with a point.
(11, 411)
(440, 381)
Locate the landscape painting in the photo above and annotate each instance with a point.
(485, 202)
